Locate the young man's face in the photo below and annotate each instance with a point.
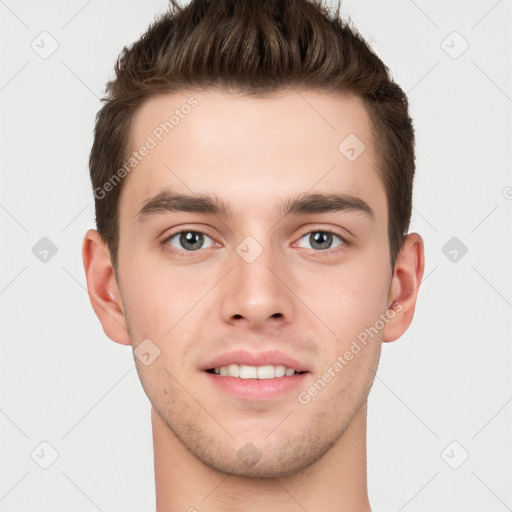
(257, 281)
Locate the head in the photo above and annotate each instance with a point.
(279, 123)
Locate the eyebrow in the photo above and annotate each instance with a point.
(210, 204)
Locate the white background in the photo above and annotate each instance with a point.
(447, 379)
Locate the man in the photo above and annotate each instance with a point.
(252, 168)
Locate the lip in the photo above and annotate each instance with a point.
(256, 389)
(270, 357)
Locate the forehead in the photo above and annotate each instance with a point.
(252, 150)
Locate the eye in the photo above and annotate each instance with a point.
(188, 240)
(322, 240)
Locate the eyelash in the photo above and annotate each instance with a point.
(315, 252)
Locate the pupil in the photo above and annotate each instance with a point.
(191, 237)
(322, 238)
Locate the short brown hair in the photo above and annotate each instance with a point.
(255, 48)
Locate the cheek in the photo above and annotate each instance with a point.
(161, 303)
(154, 297)
(350, 298)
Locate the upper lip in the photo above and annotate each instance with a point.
(272, 357)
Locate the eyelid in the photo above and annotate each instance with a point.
(185, 228)
(344, 234)
(308, 231)
(173, 235)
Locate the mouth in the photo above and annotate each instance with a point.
(255, 376)
(243, 371)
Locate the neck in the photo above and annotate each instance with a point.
(335, 483)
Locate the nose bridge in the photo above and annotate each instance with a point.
(254, 262)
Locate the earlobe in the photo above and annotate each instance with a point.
(102, 287)
(405, 284)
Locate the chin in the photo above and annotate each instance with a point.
(263, 458)
(263, 468)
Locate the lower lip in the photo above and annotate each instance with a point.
(256, 389)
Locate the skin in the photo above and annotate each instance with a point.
(306, 302)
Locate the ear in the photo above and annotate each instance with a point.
(103, 290)
(405, 284)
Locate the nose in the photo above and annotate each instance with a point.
(257, 293)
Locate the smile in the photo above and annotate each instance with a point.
(243, 371)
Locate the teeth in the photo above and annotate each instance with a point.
(233, 370)
(267, 372)
(254, 372)
(279, 371)
(248, 372)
